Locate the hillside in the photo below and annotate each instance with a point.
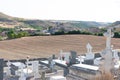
(4, 17)
(88, 24)
(8, 21)
(116, 25)
(11, 22)
(45, 46)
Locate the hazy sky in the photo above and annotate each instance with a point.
(85, 10)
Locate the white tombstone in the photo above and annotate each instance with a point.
(89, 54)
(35, 69)
(22, 74)
(115, 55)
(8, 73)
(61, 52)
(65, 55)
(52, 64)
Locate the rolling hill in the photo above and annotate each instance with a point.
(116, 26)
(11, 22)
(45, 46)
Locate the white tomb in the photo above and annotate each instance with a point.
(57, 78)
(89, 54)
(22, 74)
(65, 56)
(35, 69)
(97, 61)
(115, 55)
(116, 59)
(60, 62)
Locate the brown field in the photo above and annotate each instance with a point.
(45, 46)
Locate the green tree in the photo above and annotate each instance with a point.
(116, 34)
(59, 33)
(74, 32)
(1, 38)
(11, 34)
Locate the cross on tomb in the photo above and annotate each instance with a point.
(27, 62)
(89, 48)
(81, 59)
(89, 54)
(8, 69)
(108, 35)
(107, 53)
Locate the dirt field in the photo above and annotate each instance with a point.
(45, 46)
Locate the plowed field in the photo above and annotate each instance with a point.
(45, 46)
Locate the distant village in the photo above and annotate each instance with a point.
(60, 29)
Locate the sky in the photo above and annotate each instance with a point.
(81, 10)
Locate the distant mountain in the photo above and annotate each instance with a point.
(11, 22)
(88, 24)
(4, 17)
(115, 24)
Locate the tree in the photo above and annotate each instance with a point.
(116, 35)
(1, 38)
(11, 34)
(100, 34)
(74, 32)
(59, 33)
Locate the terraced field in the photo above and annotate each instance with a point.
(45, 46)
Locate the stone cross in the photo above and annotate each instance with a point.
(8, 69)
(107, 53)
(27, 62)
(108, 35)
(89, 54)
(89, 48)
(81, 59)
